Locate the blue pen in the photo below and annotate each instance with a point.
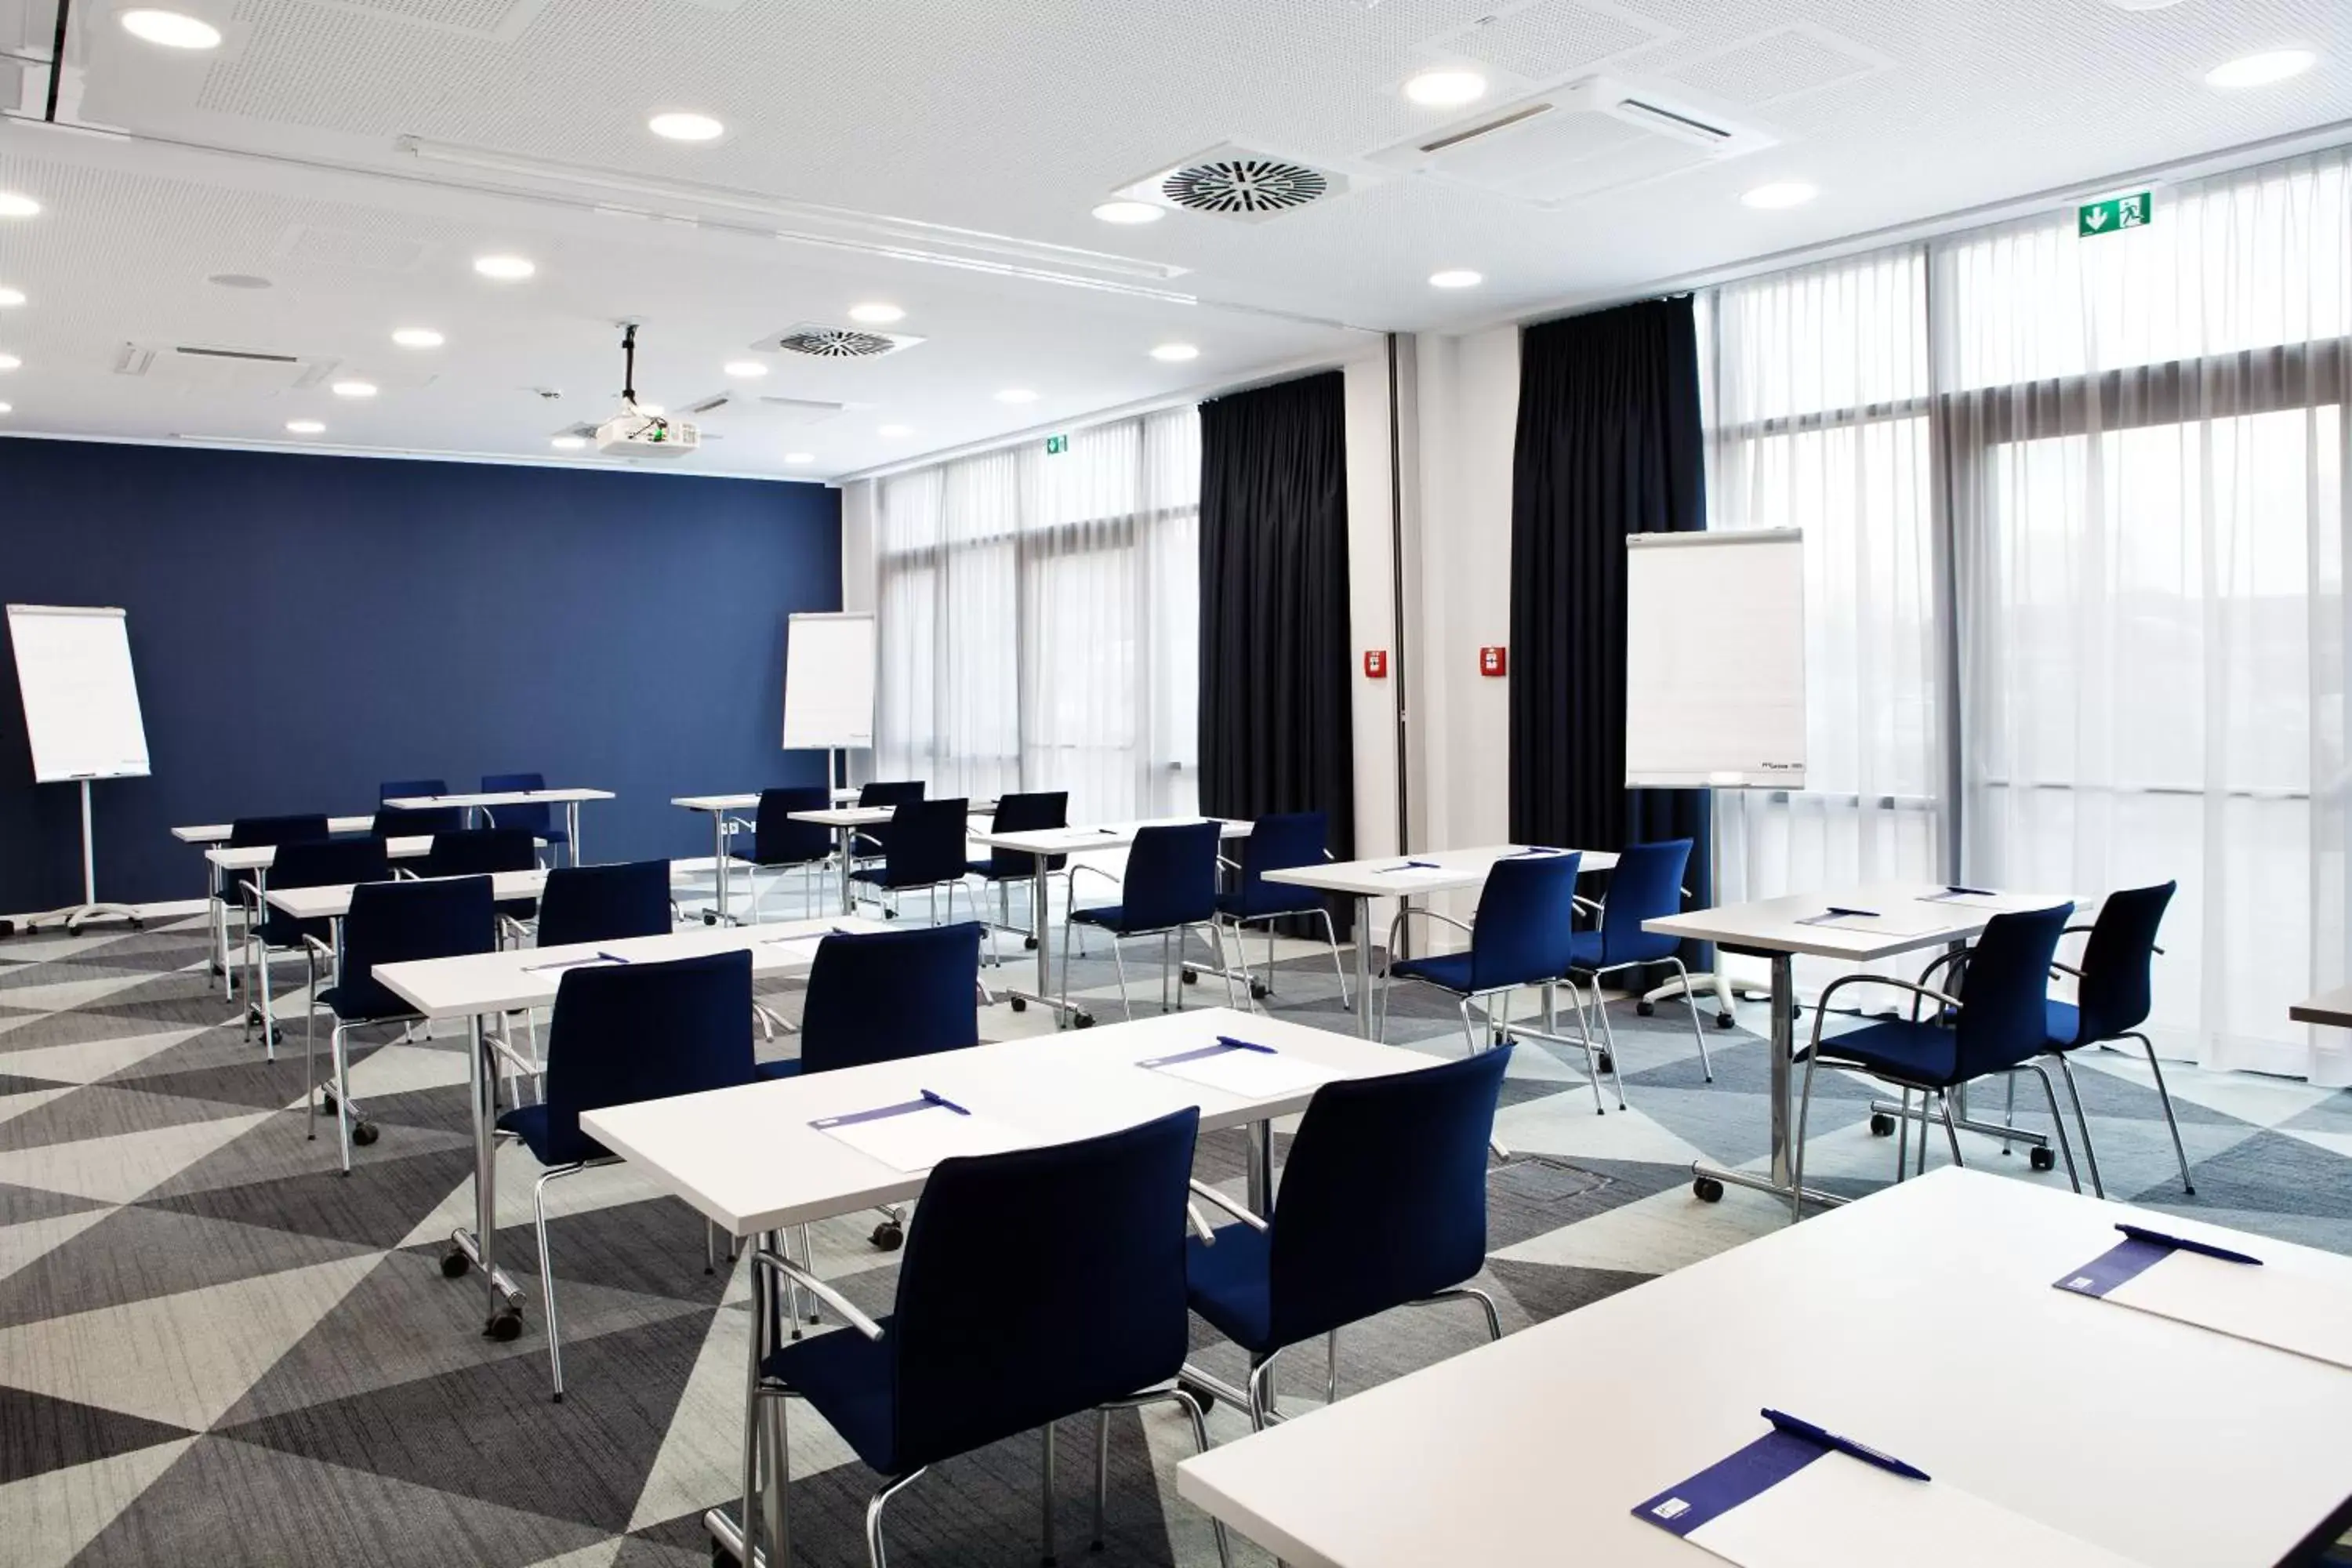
(1414, 866)
(1864, 914)
(1972, 892)
(944, 1102)
(1232, 1044)
(611, 957)
(2185, 1244)
(1798, 1427)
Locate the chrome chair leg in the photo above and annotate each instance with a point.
(1260, 1389)
(1903, 1137)
(1690, 996)
(877, 1556)
(342, 1092)
(1331, 938)
(2179, 1153)
(1118, 962)
(1331, 1367)
(2057, 1122)
(2090, 1154)
(1951, 1131)
(1591, 1062)
(1102, 1471)
(547, 1273)
(1239, 1000)
(1470, 1293)
(2007, 1104)
(1469, 1035)
(309, 1058)
(1045, 1505)
(1804, 1110)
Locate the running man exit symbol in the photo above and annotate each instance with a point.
(2114, 213)
(1057, 445)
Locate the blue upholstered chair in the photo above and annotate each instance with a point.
(1999, 1022)
(2113, 994)
(235, 890)
(1280, 843)
(879, 996)
(870, 842)
(1078, 1251)
(482, 852)
(1382, 1204)
(388, 923)
(307, 863)
(536, 817)
(780, 845)
(1520, 936)
(1169, 888)
(624, 1033)
(604, 903)
(925, 852)
(1033, 812)
(1647, 885)
(392, 824)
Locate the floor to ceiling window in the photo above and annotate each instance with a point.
(2082, 510)
(1040, 620)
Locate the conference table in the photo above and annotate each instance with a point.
(750, 1161)
(2330, 1007)
(259, 858)
(1921, 1321)
(477, 986)
(1042, 844)
(719, 807)
(209, 833)
(1886, 918)
(847, 821)
(490, 800)
(1405, 877)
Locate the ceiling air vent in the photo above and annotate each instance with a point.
(821, 342)
(1237, 183)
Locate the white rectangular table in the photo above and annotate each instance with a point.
(719, 807)
(2331, 1007)
(1396, 877)
(1920, 1320)
(259, 858)
(1777, 930)
(488, 800)
(747, 1159)
(845, 820)
(1041, 845)
(206, 833)
(480, 985)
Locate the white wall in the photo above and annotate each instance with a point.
(1371, 604)
(858, 525)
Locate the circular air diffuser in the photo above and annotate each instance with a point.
(1245, 185)
(835, 342)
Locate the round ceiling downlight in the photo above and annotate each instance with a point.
(678, 125)
(170, 29)
(505, 268)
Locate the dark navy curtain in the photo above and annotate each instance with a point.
(1276, 733)
(1609, 445)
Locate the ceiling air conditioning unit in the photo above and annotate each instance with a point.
(1596, 134)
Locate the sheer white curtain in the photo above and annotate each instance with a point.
(2146, 435)
(1818, 418)
(1040, 620)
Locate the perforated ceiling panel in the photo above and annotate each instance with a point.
(1551, 38)
(1779, 65)
(352, 248)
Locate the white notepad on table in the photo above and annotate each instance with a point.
(1784, 1502)
(1251, 1073)
(2269, 1303)
(917, 1134)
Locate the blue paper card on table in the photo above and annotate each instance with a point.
(917, 1134)
(2258, 1290)
(1788, 1501)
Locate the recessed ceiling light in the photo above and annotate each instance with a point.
(1445, 88)
(1131, 212)
(893, 431)
(679, 126)
(2254, 70)
(10, 362)
(354, 389)
(170, 29)
(418, 338)
(305, 427)
(1175, 353)
(746, 369)
(5, 409)
(237, 280)
(569, 443)
(1456, 278)
(1780, 193)
(800, 456)
(874, 313)
(1017, 394)
(11, 298)
(13, 206)
(505, 268)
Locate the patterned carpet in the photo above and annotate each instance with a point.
(215, 1350)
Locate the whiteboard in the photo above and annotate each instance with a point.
(829, 682)
(1715, 661)
(81, 705)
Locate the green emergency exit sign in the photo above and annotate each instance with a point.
(2114, 213)
(1057, 445)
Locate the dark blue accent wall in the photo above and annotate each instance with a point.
(306, 626)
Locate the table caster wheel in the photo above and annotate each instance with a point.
(455, 1263)
(1020, 1003)
(1706, 1189)
(505, 1325)
(1202, 1396)
(1725, 1020)
(1645, 1008)
(890, 914)
(1189, 978)
(1881, 1125)
(710, 916)
(1083, 1020)
(252, 1015)
(1605, 1062)
(1260, 990)
(363, 1133)
(2041, 1159)
(888, 1237)
(326, 1102)
(1029, 942)
(138, 924)
(278, 1035)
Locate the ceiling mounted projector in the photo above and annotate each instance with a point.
(634, 433)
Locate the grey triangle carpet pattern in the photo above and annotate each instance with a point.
(214, 1349)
